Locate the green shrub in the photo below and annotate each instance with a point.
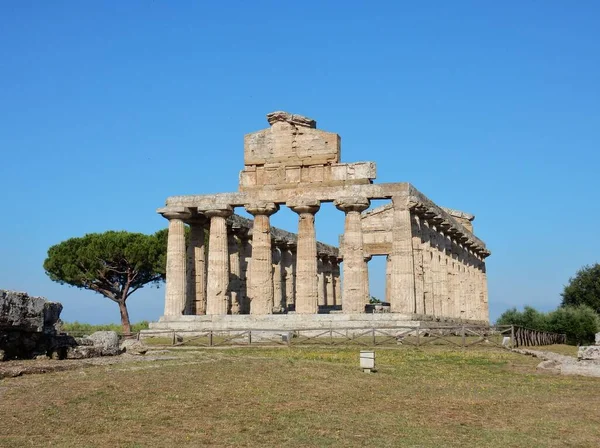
(579, 323)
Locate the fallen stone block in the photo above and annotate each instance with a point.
(591, 352)
(133, 347)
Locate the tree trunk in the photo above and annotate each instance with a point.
(124, 318)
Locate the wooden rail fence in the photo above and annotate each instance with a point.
(464, 336)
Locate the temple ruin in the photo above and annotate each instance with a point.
(254, 274)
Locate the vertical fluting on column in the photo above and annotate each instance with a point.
(175, 288)
(329, 291)
(418, 263)
(306, 258)
(450, 276)
(260, 288)
(196, 266)
(468, 287)
(366, 284)
(278, 288)
(354, 297)
(476, 306)
(403, 278)
(462, 286)
(235, 272)
(321, 301)
(456, 298)
(337, 284)
(427, 270)
(443, 273)
(435, 270)
(289, 269)
(485, 311)
(217, 288)
(245, 256)
(388, 278)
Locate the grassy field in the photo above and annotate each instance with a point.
(305, 397)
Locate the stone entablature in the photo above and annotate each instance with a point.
(435, 263)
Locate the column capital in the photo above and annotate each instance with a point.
(198, 219)
(221, 211)
(261, 208)
(291, 245)
(352, 204)
(301, 207)
(175, 212)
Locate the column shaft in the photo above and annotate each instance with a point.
(175, 288)
(417, 248)
(235, 272)
(217, 289)
(306, 260)
(354, 287)
(196, 269)
(260, 289)
(278, 285)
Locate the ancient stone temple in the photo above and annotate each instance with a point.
(252, 272)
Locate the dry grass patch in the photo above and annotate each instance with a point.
(305, 397)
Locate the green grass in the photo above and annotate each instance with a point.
(305, 397)
(79, 328)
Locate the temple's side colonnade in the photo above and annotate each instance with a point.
(435, 263)
(248, 267)
(448, 271)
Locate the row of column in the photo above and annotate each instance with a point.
(449, 276)
(243, 274)
(431, 269)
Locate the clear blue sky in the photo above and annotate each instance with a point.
(107, 108)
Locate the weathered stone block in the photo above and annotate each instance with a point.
(288, 141)
(591, 352)
(19, 311)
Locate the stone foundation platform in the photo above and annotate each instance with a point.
(289, 322)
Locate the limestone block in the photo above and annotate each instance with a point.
(291, 140)
(133, 347)
(107, 341)
(591, 352)
(597, 338)
(19, 311)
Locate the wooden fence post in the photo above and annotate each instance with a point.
(512, 336)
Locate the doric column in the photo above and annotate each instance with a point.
(450, 276)
(288, 264)
(443, 269)
(245, 258)
(278, 298)
(329, 291)
(462, 285)
(388, 278)
(217, 288)
(354, 262)
(337, 284)
(196, 266)
(403, 279)
(175, 288)
(306, 258)
(235, 272)
(485, 311)
(366, 285)
(260, 288)
(417, 248)
(427, 267)
(321, 292)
